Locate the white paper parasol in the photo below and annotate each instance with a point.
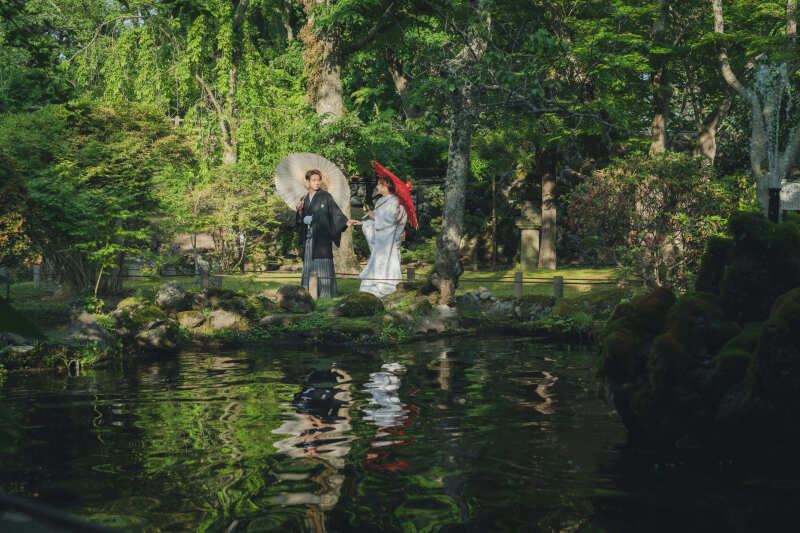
(290, 179)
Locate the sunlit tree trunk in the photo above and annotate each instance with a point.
(547, 245)
(323, 63)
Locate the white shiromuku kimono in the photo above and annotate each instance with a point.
(384, 234)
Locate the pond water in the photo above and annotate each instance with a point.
(458, 435)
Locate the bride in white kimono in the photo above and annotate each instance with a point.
(384, 233)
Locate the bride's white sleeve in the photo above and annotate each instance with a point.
(386, 214)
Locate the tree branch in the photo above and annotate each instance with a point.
(725, 66)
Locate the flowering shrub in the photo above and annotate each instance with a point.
(652, 215)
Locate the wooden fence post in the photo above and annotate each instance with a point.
(558, 286)
(313, 285)
(410, 274)
(204, 279)
(37, 276)
(517, 284)
(216, 281)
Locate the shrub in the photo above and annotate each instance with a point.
(654, 214)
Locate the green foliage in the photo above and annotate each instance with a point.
(656, 213)
(87, 171)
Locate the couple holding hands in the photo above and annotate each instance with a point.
(320, 223)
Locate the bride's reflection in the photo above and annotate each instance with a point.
(320, 434)
(389, 414)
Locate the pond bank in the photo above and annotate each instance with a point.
(220, 318)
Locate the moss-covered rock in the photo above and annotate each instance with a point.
(645, 313)
(191, 319)
(777, 357)
(130, 301)
(226, 299)
(295, 299)
(358, 304)
(729, 366)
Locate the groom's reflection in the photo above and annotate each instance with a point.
(320, 434)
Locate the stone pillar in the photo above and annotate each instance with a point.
(530, 225)
(37, 276)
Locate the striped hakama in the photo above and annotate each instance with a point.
(323, 268)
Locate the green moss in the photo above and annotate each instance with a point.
(667, 362)
(619, 346)
(692, 317)
(717, 255)
(599, 303)
(541, 300)
(359, 304)
(646, 312)
(729, 367)
(130, 301)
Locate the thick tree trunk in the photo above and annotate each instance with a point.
(323, 63)
(547, 246)
(706, 144)
(448, 267)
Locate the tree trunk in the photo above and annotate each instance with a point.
(547, 247)
(448, 267)
(401, 86)
(706, 144)
(322, 57)
(662, 91)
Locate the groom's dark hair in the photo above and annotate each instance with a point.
(312, 172)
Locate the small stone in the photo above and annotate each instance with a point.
(446, 312)
(427, 323)
(20, 350)
(271, 319)
(484, 295)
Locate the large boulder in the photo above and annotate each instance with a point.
(222, 319)
(146, 328)
(358, 304)
(295, 299)
(84, 329)
(172, 297)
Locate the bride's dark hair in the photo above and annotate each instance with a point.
(389, 184)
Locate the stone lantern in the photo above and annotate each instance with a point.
(530, 225)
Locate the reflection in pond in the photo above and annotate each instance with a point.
(320, 434)
(459, 435)
(389, 414)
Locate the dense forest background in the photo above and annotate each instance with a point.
(631, 129)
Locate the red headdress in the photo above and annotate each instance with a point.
(402, 191)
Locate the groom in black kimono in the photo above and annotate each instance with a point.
(320, 224)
